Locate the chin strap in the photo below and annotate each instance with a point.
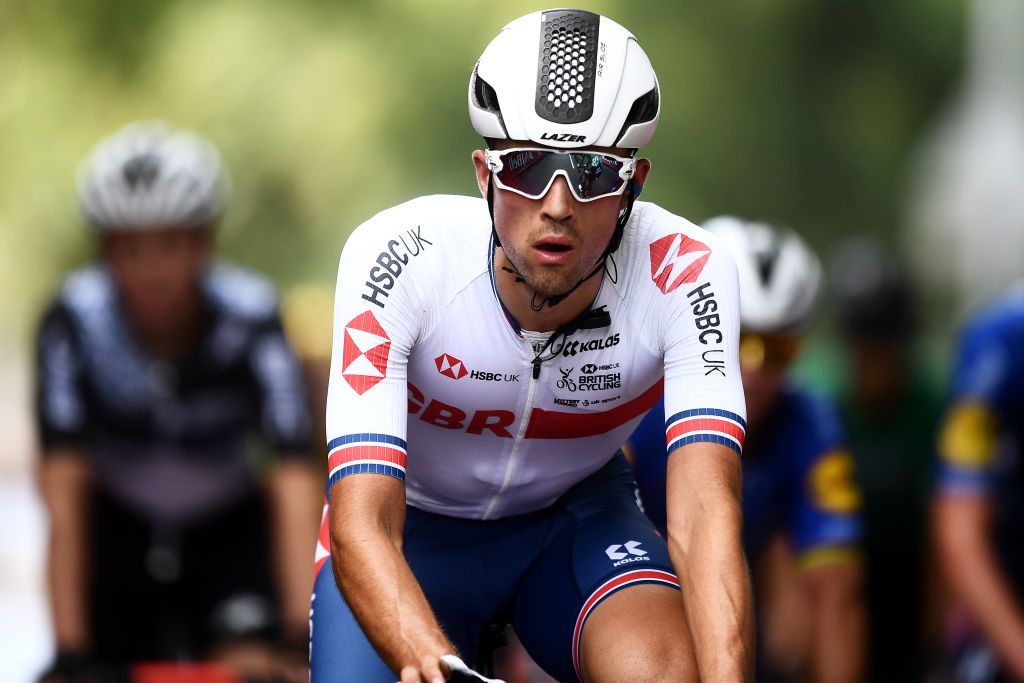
(538, 302)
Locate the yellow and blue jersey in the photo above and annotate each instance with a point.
(984, 422)
(797, 478)
(981, 438)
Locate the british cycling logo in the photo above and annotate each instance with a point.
(677, 259)
(391, 262)
(453, 368)
(590, 382)
(365, 353)
(630, 551)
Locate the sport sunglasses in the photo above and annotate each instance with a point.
(530, 171)
(767, 350)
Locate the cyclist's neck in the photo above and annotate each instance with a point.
(532, 310)
(169, 337)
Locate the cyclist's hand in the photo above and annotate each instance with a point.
(430, 670)
(460, 673)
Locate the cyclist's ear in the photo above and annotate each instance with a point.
(483, 172)
(643, 167)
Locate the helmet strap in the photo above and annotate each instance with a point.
(539, 302)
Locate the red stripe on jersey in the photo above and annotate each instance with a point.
(347, 454)
(704, 424)
(553, 424)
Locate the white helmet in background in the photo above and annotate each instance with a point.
(150, 175)
(779, 275)
(565, 78)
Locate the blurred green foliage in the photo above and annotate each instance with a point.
(798, 111)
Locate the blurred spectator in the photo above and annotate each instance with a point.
(890, 405)
(800, 505)
(979, 504)
(156, 364)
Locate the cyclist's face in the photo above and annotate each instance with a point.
(764, 361)
(556, 240)
(880, 371)
(157, 272)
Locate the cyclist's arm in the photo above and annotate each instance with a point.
(824, 527)
(64, 482)
(64, 476)
(704, 522)
(381, 309)
(838, 622)
(367, 518)
(962, 514)
(704, 409)
(292, 492)
(962, 526)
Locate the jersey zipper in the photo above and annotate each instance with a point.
(531, 395)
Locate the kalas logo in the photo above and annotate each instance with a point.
(450, 366)
(365, 353)
(677, 259)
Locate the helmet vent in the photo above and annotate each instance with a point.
(485, 97)
(142, 170)
(766, 245)
(644, 109)
(483, 94)
(568, 62)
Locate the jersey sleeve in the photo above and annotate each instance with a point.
(284, 409)
(376, 321)
(823, 518)
(703, 389)
(61, 415)
(982, 382)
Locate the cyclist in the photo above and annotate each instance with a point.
(978, 511)
(796, 481)
(489, 358)
(890, 405)
(156, 365)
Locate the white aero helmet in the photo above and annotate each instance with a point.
(591, 83)
(150, 175)
(779, 275)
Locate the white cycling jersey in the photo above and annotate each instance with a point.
(433, 382)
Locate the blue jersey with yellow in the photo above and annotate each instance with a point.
(980, 443)
(797, 477)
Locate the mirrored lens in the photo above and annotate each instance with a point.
(590, 175)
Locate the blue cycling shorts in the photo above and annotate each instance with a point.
(542, 572)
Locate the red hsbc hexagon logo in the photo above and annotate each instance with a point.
(677, 259)
(365, 353)
(450, 366)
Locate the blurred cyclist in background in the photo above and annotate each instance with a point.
(890, 407)
(979, 505)
(800, 506)
(156, 365)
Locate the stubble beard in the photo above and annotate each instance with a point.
(546, 280)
